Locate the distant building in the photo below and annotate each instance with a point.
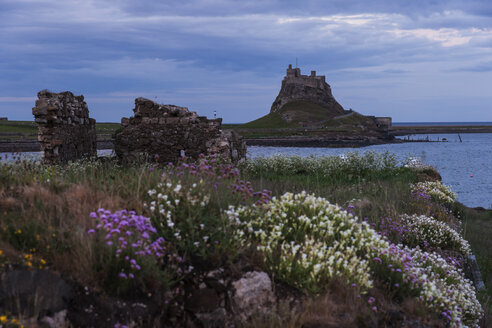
(294, 76)
(384, 122)
(4, 119)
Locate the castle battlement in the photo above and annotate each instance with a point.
(294, 76)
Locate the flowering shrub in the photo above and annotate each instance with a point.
(184, 206)
(9, 321)
(437, 191)
(349, 165)
(440, 285)
(306, 240)
(430, 233)
(212, 171)
(392, 229)
(184, 217)
(132, 238)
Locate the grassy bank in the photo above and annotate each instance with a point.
(336, 252)
(14, 130)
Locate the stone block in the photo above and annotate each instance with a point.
(172, 120)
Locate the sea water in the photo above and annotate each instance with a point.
(464, 165)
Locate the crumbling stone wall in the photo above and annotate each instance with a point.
(170, 131)
(65, 131)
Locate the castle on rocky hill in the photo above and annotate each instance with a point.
(300, 90)
(312, 88)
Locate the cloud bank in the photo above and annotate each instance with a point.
(414, 61)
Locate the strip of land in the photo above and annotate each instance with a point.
(21, 136)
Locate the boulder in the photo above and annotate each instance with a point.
(253, 294)
(33, 293)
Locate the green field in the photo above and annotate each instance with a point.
(13, 130)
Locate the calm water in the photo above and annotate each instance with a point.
(440, 123)
(455, 160)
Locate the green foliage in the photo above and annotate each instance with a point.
(269, 121)
(349, 168)
(299, 112)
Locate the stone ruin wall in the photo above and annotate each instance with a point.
(65, 131)
(170, 131)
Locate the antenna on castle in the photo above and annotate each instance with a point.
(296, 62)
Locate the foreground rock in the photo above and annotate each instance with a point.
(40, 295)
(253, 294)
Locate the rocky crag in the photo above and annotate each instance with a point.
(65, 131)
(313, 89)
(169, 132)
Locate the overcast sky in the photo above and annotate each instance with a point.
(416, 60)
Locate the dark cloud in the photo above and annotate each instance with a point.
(112, 51)
(481, 67)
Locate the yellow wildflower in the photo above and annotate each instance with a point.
(3, 318)
(29, 264)
(1, 252)
(18, 232)
(43, 262)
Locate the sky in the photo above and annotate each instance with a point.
(416, 61)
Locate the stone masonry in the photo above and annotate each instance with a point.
(65, 131)
(170, 131)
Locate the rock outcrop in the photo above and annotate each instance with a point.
(40, 295)
(253, 294)
(312, 89)
(65, 131)
(168, 132)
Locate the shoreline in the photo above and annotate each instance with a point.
(19, 146)
(436, 129)
(307, 142)
(318, 142)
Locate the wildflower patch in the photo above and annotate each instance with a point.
(307, 241)
(437, 191)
